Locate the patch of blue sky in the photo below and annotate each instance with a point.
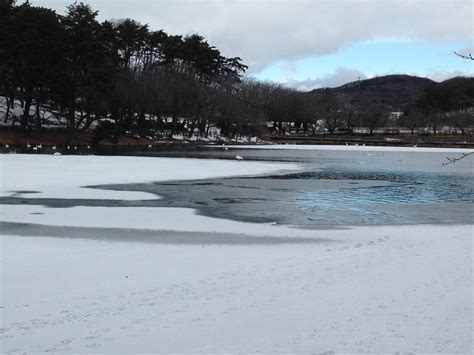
(376, 58)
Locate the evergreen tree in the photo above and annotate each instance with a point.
(30, 57)
(132, 42)
(89, 61)
(6, 6)
(86, 70)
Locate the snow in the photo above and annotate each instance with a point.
(142, 218)
(384, 289)
(353, 148)
(84, 281)
(67, 177)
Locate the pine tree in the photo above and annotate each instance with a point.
(32, 45)
(88, 62)
(6, 6)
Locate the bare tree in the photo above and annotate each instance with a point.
(461, 120)
(412, 118)
(330, 111)
(372, 116)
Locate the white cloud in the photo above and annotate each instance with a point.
(346, 75)
(339, 77)
(263, 32)
(441, 76)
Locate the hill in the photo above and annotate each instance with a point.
(394, 92)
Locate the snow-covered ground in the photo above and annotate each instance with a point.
(190, 288)
(362, 290)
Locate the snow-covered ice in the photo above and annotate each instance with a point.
(68, 177)
(145, 218)
(363, 289)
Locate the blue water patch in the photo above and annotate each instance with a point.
(407, 189)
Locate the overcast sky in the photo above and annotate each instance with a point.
(312, 43)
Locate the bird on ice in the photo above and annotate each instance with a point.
(239, 157)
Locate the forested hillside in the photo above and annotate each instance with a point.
(395, 92)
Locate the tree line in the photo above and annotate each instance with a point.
(121, 77)
(119, 73)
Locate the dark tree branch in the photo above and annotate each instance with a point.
(469, 56)
(454, 160)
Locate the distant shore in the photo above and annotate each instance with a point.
(388, 140)
(49, 142)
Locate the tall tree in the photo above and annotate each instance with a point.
(6, 6)
(132, 39)
(88, 69)
(32, 46)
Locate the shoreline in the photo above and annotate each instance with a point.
(50, 141)
(141, 149)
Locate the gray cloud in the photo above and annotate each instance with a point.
(263, 32)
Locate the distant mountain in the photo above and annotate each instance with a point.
(394, 92)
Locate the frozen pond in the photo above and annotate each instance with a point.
(332, 188)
